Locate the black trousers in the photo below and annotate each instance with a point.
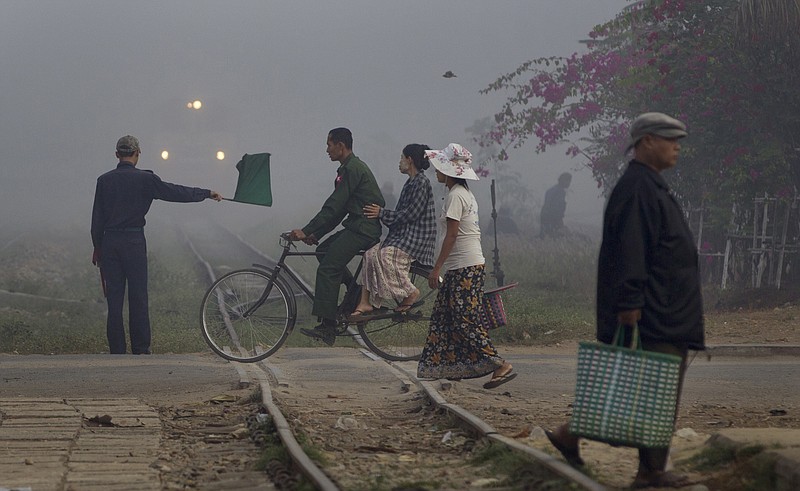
(655, 459)
(340, 248)
(124, 261)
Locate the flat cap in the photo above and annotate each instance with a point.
(658, 124)
(128, 144)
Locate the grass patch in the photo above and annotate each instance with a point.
(556, 294)
(518, 470)
(63, 309)
(66, 314)
(273, 450)
(719, 456)
(746, 468)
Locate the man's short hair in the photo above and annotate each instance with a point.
(128, 145)
(342, 135)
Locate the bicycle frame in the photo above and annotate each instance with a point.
(226, 316)
(281, 266)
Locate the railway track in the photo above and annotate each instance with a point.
(370, 424)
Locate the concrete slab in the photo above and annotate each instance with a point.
(783, 443)
(787, 469)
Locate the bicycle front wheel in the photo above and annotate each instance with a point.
(236, 327)
(402, 337)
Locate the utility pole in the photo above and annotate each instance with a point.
(498, 271)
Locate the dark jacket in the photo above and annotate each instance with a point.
(354, 187)
(123, 197)
(648, 261)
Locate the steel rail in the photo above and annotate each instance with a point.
(555, 465)
(296, 453)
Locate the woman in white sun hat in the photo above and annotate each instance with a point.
(458, 346)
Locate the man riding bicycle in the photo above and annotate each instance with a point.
(354, 187)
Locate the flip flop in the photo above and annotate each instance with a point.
(358, 313)
(498, 381)
(571, 455)
(405, 307)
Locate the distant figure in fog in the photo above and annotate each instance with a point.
(506, 224)
(555, 204)
(121, 200)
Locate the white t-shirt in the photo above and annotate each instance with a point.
(460, 204)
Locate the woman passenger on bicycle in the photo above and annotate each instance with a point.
(458, 345)
(412, 237)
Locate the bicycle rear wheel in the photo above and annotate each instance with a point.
(402, 337)
(236, 334)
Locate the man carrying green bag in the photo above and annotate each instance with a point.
(648, 279)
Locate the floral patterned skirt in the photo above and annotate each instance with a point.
(385, 274)
(458, 346)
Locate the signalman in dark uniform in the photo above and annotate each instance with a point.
(355, 187)
(121, 201)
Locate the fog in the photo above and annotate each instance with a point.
(273, 76)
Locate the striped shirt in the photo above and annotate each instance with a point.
(412, 227)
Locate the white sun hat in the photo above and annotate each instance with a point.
(454, 161)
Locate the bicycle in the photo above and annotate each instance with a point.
(248, 314)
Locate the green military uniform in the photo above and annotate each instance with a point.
(355, 186)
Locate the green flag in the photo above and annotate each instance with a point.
(254, 184)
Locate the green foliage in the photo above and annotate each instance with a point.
(518, 470)
(715, 457)
(693, 59)
(746, 468)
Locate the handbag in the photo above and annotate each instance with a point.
(493, 314)
(625, 396)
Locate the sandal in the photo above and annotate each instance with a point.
(409, 302)
(500, 379)
(571, 455)
(358, 313)
(405, 307)
(660, 479)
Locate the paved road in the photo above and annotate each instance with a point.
(753, 381)
(167, 379)
(156, 379)
(50, 394)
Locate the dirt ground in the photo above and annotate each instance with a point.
(524, 418)
(389, 441)
(393, 417)
(775, 325)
